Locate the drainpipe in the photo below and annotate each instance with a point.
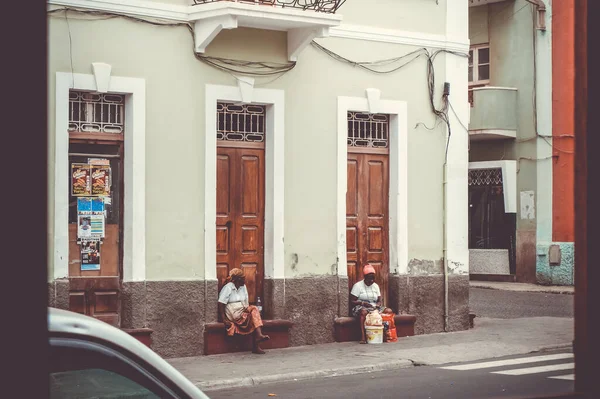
(445, 245)
(541, 9)
(445, 217)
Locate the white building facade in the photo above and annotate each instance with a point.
(297, 140)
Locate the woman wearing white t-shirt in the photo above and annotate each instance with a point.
(237, 314)
(366, 297)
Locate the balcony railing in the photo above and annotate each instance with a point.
(326, 6)
(494, 113)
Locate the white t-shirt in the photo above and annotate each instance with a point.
(366, 293)
(230, 294)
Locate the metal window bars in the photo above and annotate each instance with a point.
(485, 177)
(368, 130)
(96, 112)
(241, 122)
(326, 6)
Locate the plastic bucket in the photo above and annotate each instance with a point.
(374, 334)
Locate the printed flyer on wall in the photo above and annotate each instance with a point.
(84, 205)
(84, 226)
(80, 179)
(100, 180)
(97, 226)
(97, 205)
(90, 255)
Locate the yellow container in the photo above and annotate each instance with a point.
(374, 334)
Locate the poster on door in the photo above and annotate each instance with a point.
(97, 226)
(97, 205)
(84, 226)
(100, 175)
(80, 180)
(84, 206)
(90, 255)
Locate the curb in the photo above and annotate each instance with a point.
(303, 375)
(555, 347)
(541, 290)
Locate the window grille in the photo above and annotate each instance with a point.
(485, 177)
(241, 122)
(368, 130)
(96, 112)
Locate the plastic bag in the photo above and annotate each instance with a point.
(391, 335)
(389, 318)
(374, 319)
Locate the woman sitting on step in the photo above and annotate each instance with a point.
(366, 297)
(237, 314)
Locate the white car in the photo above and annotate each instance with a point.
(92, 359)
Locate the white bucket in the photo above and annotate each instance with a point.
(374, 334)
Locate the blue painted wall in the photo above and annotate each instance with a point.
(562, 274)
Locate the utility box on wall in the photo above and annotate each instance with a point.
(554, 255)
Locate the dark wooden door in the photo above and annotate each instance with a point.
(240, 214)
(367, 203)
(96, 293)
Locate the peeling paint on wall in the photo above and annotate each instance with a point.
(425, 267)
(527, 205)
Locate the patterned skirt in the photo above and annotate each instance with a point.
(246, 324)
(358, 308)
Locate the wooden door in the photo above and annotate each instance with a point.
(240, 214)
(96, 292)
(367, 203)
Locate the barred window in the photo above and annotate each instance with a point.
(241, 122)
(485, 177)
(96, 112)
(368, 130)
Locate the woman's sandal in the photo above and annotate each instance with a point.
(362, 342)
(258, 351)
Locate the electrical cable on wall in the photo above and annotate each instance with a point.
(264, 68)
(241, 67)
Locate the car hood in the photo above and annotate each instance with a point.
(66, 322)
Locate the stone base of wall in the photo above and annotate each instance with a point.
(423, 297)
(562, 274)
(489, 261)
(312, 304)
(526, 256)
(58, 294)
(177, 311)
(174, 310)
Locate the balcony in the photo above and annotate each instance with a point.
(304, 20)
(327, 6)
(475, 3)
(493, 113)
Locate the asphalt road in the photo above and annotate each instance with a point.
(511, 305)
(431, 382)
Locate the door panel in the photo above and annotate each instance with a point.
(240, 216)
(375, 247)
(352, 220)
(367, 232)
(97, 297)
(225, 233)
(96, 293)
(109, 254)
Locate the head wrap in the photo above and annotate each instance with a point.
(234, 273)
(368, 269)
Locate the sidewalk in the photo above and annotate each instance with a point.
(490, 338)
(523, 287)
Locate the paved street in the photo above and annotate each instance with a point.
(513, 376)
(501, 304)
(503, 328)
